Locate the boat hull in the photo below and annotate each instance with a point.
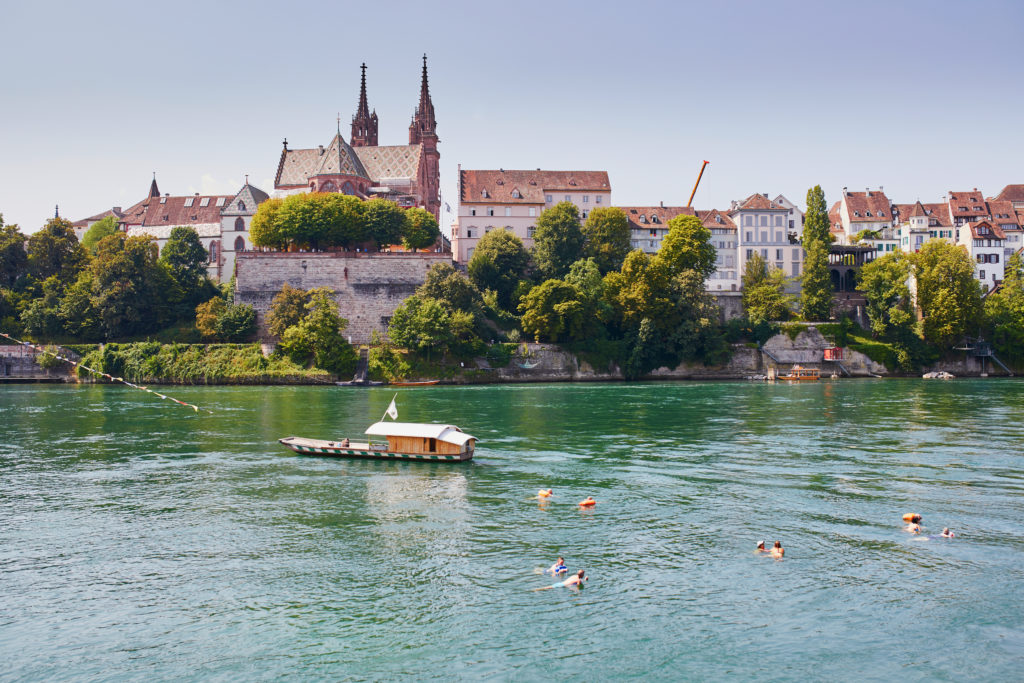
(334, 449)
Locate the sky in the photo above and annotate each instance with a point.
(918, 96)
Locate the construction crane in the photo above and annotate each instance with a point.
(699, 176)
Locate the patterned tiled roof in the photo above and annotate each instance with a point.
(250, 197)
(394, 161)
(340, 159)
(655, 216)
(970, 205)
(871, 205)
(501, 186)
(713, 218)
(1003, 214)
(296, 166)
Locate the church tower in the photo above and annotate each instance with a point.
(423, 132)
(364, 124)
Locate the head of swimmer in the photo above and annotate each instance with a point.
(777, 544)
(760, 545)
(579, 574)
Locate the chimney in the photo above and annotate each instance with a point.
(661, 204)
(844, 191)
(867, 191)
(321, 149)
(117, 209)
(881, 188)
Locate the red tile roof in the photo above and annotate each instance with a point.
(1011, 193)
(501, 186)
(1003, 213)
(157, 211)
(713, 218)
(970, 205)
(936, 212)
(656, 216)
(871, 205)
(758, 202)
(86, 222)
(996, 231)
(834, 221)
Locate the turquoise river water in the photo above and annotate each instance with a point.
(140, 541)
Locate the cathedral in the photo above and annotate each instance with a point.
(407, 174)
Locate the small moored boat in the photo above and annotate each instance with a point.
(405, 441)
(424, 383)
(799, 374)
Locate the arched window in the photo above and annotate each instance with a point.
(239, 224)
(239, 243)
(241, 206)
(347, 188)
(213, 251)
(328, 187)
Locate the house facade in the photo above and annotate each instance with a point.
(648, 225)
(513, 200)
(984, 242)
(762, 226)
(723, 237)
(866, 218)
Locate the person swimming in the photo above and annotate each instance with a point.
(574, 580)
(777, 550)
(946, 533)
(557, 568)
(760, 547)
(914, 525)
(544, 493)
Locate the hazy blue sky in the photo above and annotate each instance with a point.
(919, 96)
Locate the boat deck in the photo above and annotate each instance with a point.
(364, 449)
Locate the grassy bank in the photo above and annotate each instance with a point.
(153, 362)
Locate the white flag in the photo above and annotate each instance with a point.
(393, 410)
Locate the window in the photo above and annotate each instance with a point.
(469, 232)
(548, 198)
(188, 202)
(750, 254)
(241, 206)
(515, 194)
(163, 200)
(213, 252)
(764, 220)
(778, 236)
(533, 211)
(586, 199)
(654, 232)
(205, 201)
(856, 213)
(764, 235)
(239, 224)
(748, 220)
(469, 253)
(568, 197)
(488, 229)
(508, 211)
(750, 237)
(764, 254)
(796, 254)
(981, 274)
(490, 210)
(530, 230)
(484, 194)
(472, 212)
(597, 199)
(791, 225)
(778, 254)
(778, 220)
(221, 200)
(655, 219)
(584, 214)
(867, 213)
(239, 244)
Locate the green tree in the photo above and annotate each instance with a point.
(13, 257)
(237, 323)
(816, 223)
(606, 238)
(687, 246)
(185, 257)
(265, 228)
(385, 221)
(79, 314)
(287, 309)
(558, 240)
(97, 231)
(318, 336)
(884, 283)
(55, 250)
(446, 284)
(318, 220)
(499, 263)
(420, 229)
(815, 283)
(947, 293)
(129, 286)
(764, 296)
(41, 320)
(641, 289)
(422, 324)
(553, 311)
(1004, 312)
(207, 315)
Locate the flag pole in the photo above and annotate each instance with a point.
(389, 407)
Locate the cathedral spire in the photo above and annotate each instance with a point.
(154, 191)
(423, 122)
(364, 124)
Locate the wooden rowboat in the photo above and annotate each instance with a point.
(405, 441)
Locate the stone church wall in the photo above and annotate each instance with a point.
(368, 286)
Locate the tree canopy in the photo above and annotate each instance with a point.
(764, 295)
(815, 283)
(558, 240)
(499, 263)
(889, 304)
(606, 238)
(185, 257)
(13, 257)
(687, 246)
(421, 229)
(947, 293)
(55, 250)
(102, 228)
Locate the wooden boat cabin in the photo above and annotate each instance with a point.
(421, 439)
(800, 374)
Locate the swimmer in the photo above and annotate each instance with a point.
(913, 528)
(542, 494)
(574, 580)
(588, 502)
(760, 547)
(946, 533)
(557, 568)
(778, 551)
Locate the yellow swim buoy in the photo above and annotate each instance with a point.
(588, 502)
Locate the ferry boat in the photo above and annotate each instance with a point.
(405, 441)
(799, 374)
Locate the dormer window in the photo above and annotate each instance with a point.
(881, 214)
(163, 200)
(484, 194)
(963, 208)
(516, 195)
(241, 206)
(205, 201)
(867, 213)
(978, 208)
(220, 201)
(974, 199)
(188, 202)
(654, 218)
(857, 214)
(718, 219)
(643, 218)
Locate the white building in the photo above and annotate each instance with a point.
(866, 218)
(917, 223)
(723, 237)
(513, 200)
(984, 242)
(762, 226)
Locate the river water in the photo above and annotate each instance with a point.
(141, 541)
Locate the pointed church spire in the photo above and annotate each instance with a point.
(364, 124)
(56, 210)
(154, 191)
(423, 122)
